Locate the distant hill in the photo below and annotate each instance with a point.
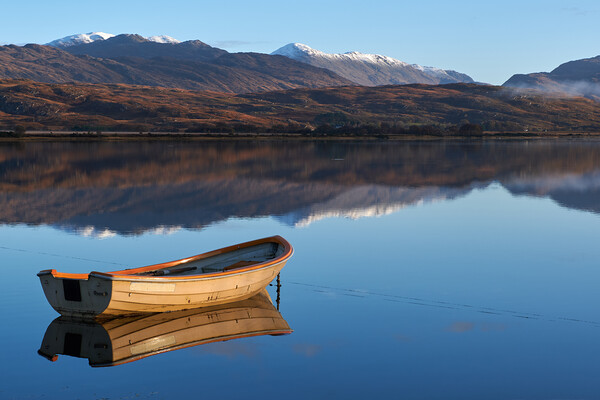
(132, 59)
(99, 57)
(141, 108)
(83, 38)
(580, 78)
(371, 69)
(137, 46)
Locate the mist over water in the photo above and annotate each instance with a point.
(558, 89)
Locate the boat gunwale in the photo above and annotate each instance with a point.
(128, 274)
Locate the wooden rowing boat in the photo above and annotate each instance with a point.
(217, 277)
(119, 340)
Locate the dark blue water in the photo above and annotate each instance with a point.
(421, 271)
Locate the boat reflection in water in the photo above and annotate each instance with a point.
(117, 341)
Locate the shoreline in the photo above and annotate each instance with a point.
(34, 136)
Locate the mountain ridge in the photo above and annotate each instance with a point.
(371, 69)
(190, 65)
(86, 38)
(133, 45)
(577, 78)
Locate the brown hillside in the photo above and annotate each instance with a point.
(124, 107)
(235, 73)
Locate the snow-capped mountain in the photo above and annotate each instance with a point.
(370, 69)
(80, 38)
(84, 38)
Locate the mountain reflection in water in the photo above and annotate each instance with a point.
(120, 340)
(100, 188)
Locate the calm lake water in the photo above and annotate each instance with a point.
(422, 270)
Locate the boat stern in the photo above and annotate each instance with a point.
(76, 295)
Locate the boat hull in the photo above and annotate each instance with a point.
(109, 294)
(156, 296)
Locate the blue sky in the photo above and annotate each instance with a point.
(489, 40)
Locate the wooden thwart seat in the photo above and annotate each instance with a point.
(239, 264)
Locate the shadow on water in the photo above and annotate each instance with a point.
(129, 188)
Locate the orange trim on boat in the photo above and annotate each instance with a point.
(63, 275)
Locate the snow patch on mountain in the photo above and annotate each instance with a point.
(163, 39)
(370, 69)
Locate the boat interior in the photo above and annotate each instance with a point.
(231, 260)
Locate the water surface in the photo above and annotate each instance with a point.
(422, 270)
